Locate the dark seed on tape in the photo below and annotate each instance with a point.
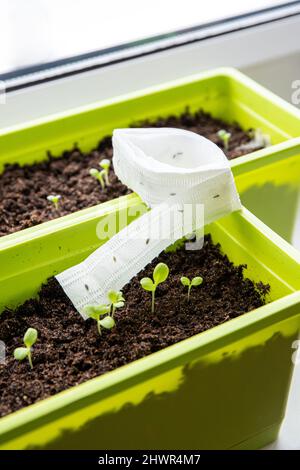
(177, 154)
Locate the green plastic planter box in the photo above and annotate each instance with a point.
(225, 93)
(274, 178)
(224, 388)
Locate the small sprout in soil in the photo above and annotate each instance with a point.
(196, 281)
(224, 136)
(105, 164)
(116, 300)
(160, 274)
(29, 340)
(98, 175)
(96, 312)
(54, 198)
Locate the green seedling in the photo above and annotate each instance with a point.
(224, 136)
(116, 300)
(54, 198)
(160, 274)
(105, 164)
(196, 281)
(96, 312)
(29, 340)
(98, 175)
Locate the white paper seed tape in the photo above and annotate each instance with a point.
(187, 182)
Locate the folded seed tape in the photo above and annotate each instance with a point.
(187, 182)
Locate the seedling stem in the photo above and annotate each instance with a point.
(225, 137)
(160, 274)
(196, 281)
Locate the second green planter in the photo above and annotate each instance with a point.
(224, 388)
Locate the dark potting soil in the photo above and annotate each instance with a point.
(24, 190)
(70, 351)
